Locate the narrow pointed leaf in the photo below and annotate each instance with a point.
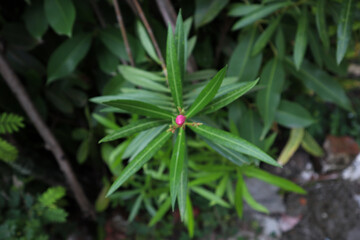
(233, 142)
(293, 115)
(241, 9)
(344, 29)
(206, 10)
(161, 212)
(140, 108)
(210, 196)
(293, 143)
(35, 20)
(207, 94)
(268, 99)
(190, 217)
(249, 199)
(60, 15)
(228, 98)
(146, 42)
(173, 69)
(265, 36)
(259, 14)
(322, 83)
(132, 128)
(301, 39)
(181, 44)
(144, 156)
(176, 165)
(315, 47)
(239, 198)
(273, 179)
(183, 188)
(221, 188)
(135, 208)
(67, 56)
(321, 23)
(310, 145)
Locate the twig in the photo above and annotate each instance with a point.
(98, 13)
(123, 31)
(150, 32)
(51, 143)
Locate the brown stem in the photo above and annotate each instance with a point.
(51, 143)
(150, 32)
(98, 13)
(123, 31)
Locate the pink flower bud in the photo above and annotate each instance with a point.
(180, 119)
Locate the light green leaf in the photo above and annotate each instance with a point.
(206, 179)
(207, 94)
(173, 69)
(146, 42)
(35, 20)
(200, 75)
(181, 44)
(259, 14)
(221, 188)
(140, 108)
(268, 99)
(108, 123)
(264, 38)
(135, 127)
(161, 212)
(344, 29)
(239, 198)
(310, 145)
(144, 156)
(102, 202)
(135, 208)
(293, 115)
(67, 56)
(248, 198)
(321, 23)
(8, 152)
(60, 15)
(51, 195)
(322, 83)
(293, 143)
(280, 43)
(189, 220)
(207, 10)
(242, 9)
(273, 179)
(183, 188)
(176, 165)
(301, 39)
(233, 142)
(210, 196)
(228, 98)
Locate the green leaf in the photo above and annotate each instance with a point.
(293, 143)
(241, 9)
(293, 115)
(111, 124)
(146, 42)
(207, 10)
(259, 14)
(176, 165)
(248, 198)
(181, 44)
(10, 123)
(210, 196)
(321, 23)
(268, 99)
(200, 75)
(107, 61)
(56, 215)
(322, 83)
(51, 195)
(67, 56)
(310, 145)
(135, 208)
(273, 179)
(190, 217)
(207, 94)
(35, 20)
(228, 98)
(160, 213)
(102, 202)
(143, 78)
(183, 188)
(83, 150)
(233, 142)
(239, 198)
(265, 36)
(221, 188)
(8, 152)
(60, 15)
(135, 127)
(301, 39)
(280, 43)
(140, 108)
(315, 47)
(173, 69)
(144, 156)
(344, 29)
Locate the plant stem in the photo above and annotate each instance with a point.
(123, 31)
(51, 142)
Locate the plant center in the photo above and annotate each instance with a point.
(180, 120)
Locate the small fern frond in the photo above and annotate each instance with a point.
(51, 195)
(8, 152)
(10, 123)
(54, 214)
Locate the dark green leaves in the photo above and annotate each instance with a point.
(207, 10)
(344, 29)
(61, 15)
(181, 44)
(176, 165)
(67, 56)
(141, 108)
(173, 69)
(207, 94)
(293, 115)
(301, 39)
(35, 20)
(233, 142)
(144, 156)
(265, 36)
(321, 23)
(132, 128)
